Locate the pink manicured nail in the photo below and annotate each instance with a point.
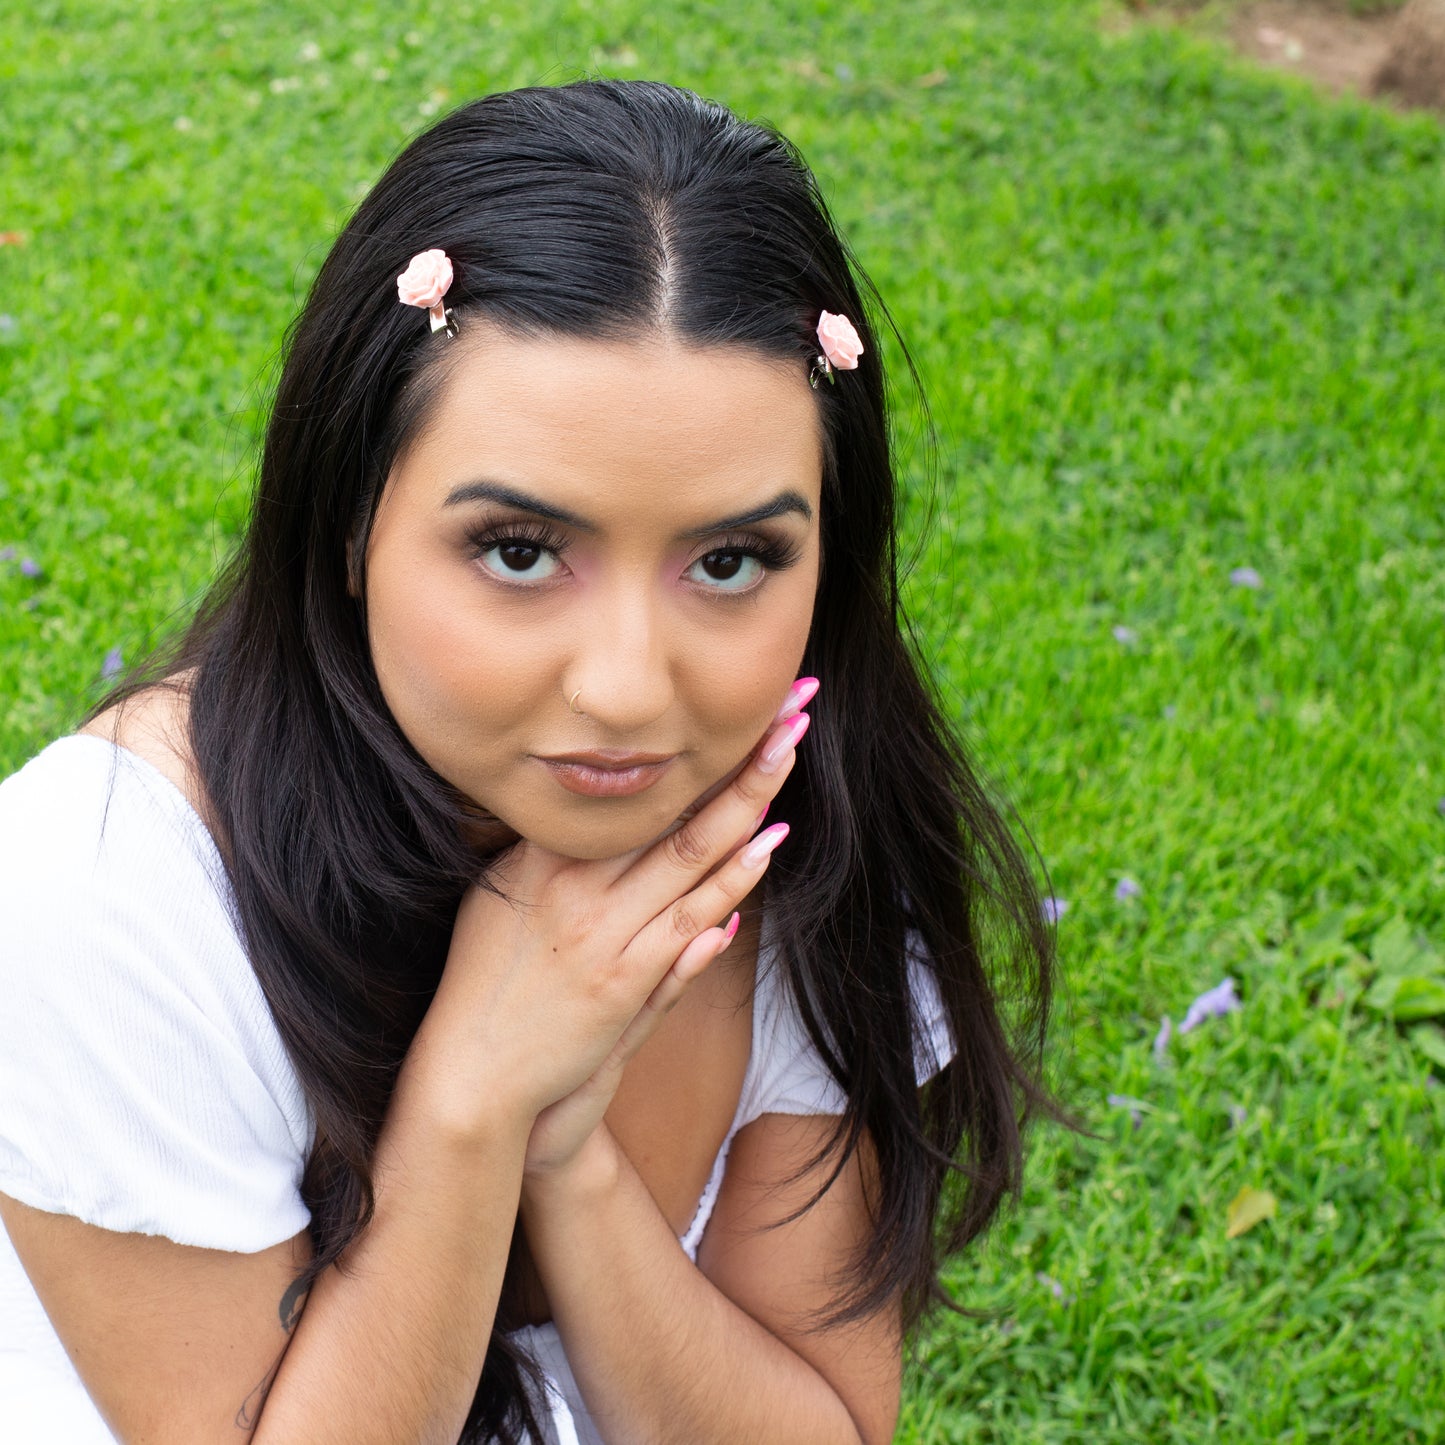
(732, 927)
(758, 821)
(762, 845)
(782, 744)
(799, 696)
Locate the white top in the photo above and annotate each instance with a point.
(143, 1084)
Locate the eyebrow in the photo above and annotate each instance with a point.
(785, 503)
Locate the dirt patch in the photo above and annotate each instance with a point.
(1414, 71)
(1343, 52)
(1396, 55)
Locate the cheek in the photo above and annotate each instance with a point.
(740, 677)
(450, 673)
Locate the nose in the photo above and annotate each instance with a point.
(621, 663)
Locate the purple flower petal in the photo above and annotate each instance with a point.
(7, 554)
(1211, 1004)
(1134, 1106)
(1440, 807)
(1054, 909)
(1053, 1287)
(113, 664)
(1170, 709)
(29, 567)
(1161, 1040)
(1237, 1116)
(1125, 635)
(1245, 577)
(1126, 888)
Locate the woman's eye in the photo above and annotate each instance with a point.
(518, 560)
(728, 571)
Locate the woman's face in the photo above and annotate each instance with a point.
(633, 524)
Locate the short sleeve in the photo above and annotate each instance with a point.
(793, 1078)
(143, 1085)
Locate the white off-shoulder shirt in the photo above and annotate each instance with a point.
(144, 1087)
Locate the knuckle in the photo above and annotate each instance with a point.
(684, 920)
(689, 848)
(609, 986)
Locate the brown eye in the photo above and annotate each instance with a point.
(722, 566)
(518, 556)
(515, 558)
(728, 571)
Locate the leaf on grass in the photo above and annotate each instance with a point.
(1409, 998)
(1430, 1042)
(1381, 995)
(1247, 1209)
(1395, 949)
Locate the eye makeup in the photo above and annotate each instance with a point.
(520, 546)
(527, 553)
(730, 555)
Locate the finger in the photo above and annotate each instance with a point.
(624, 861)
(799, 695)
(679, 861)
(742, 837)
(691, 963)
(724, 889)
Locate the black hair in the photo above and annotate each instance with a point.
(607, 209)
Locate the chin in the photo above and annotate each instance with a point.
(607, 830)
(586, 844)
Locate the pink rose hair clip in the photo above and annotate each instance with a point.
(424, 282)
(841, 348)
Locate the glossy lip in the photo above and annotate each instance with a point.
(607, 772)
(608, 758)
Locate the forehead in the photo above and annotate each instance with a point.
(655, 422)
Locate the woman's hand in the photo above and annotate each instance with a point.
(562, 1129)
(550, 989)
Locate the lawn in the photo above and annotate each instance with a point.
(1178, 572)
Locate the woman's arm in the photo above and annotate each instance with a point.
(665, 1350)
(392, 1348)
(184, 1346)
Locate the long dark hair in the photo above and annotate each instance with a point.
(606, 209)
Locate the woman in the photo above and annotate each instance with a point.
(403, 1041)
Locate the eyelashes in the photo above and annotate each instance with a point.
(772, 552)
(520, 547)
(526, 553)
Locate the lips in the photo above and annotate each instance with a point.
(607, 772)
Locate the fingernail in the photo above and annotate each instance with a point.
(731, 929)
(782, 744)
(799, 696)
(758, 821)
(762, 845)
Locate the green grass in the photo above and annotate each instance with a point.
(1175, 317)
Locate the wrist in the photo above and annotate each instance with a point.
(421, 1094)
(590, 1175)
